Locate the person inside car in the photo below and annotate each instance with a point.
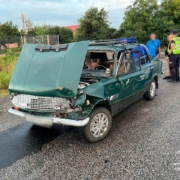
(90, 63)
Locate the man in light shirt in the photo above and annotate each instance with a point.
(153, 46)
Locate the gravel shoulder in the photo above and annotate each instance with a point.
(4, 106)
(6, 119)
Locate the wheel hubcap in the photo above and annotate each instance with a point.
(99, 125)
(153, 89)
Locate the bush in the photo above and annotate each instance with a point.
(15, 50)
(7, 64)
(4, 79)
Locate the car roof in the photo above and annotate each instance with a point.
(113, 47)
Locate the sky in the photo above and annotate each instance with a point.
(59, 12)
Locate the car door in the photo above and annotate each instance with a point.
(130, 76)
(147, 67)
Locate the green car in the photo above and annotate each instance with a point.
(82, 84)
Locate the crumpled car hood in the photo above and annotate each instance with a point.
(49, 72)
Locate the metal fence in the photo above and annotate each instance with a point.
(10, 42)
(47, 39)
(19, 41)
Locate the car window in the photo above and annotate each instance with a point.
(99, 60)
(129, 63)
(144, 58)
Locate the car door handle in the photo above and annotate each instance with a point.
(142, 77)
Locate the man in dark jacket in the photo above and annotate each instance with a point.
(169, 38)
(174, 54)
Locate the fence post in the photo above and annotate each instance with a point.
(58, 39)
(48, 39)
(22, 41)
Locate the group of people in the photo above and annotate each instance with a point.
(172, 54)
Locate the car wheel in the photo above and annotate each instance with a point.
(150, 94)
(98, 126)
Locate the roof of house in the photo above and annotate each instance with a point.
(73, 28)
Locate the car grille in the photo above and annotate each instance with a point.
(38, 102)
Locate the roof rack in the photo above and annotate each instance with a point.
(114, 41)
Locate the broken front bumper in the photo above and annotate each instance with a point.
(48, 121)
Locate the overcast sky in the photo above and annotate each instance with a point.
(59, 12)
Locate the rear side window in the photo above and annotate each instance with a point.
(144, 58)
(135, 56)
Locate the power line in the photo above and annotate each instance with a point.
(19, 17)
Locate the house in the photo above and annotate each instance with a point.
(73, 28)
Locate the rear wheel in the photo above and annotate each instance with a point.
(99, 125)
(150, 94)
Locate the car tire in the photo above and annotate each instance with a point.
(98, 126)
(150, 94)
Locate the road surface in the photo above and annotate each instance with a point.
(144, 143)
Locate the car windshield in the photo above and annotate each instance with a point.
(98, 63)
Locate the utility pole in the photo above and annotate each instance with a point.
(23, 22)
(23, 28)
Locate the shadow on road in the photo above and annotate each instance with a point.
(25, 139)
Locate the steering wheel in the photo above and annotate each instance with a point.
(100, 67)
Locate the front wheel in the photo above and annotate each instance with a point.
(150, 94)
(98, 126)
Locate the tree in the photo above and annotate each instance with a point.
(65, 34)
(113, 33)
(146, 16)
(38, 30)
(171, 9)
(31, 32)
(28, 25)
(167, 18)
(139, 18)
(93, 25)
(9, 29)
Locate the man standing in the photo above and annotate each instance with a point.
(169, 38)
(153, 46)
(174, 55)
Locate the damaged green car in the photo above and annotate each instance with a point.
(82, 84)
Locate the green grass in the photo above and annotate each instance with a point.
(15, 50)
(3, 92)
(7, 64)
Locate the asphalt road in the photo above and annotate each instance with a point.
(144, 143)
(23, 139)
